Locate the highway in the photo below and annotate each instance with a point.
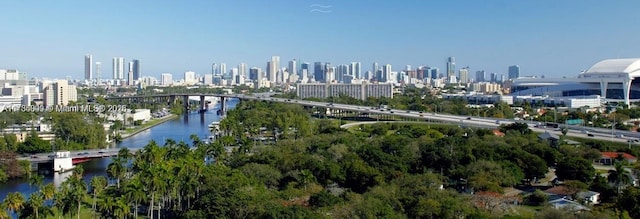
(473, 121)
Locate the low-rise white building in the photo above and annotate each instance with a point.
(138, 115)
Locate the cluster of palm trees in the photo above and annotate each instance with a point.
(164, 181)
(66, 199)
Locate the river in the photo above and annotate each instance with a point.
(178, 129)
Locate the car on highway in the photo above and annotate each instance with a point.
(34, 156)
(52, 156)
(468, 118)
(102, 151)
(498, 122)
(83, 153)
(590, 135)
(408, 111)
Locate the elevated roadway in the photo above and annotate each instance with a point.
(472, 121)
(81, 155)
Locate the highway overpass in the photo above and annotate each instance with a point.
(473, 121)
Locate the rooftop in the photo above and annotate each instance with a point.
(614, 155)
(616, 66)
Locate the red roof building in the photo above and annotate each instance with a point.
(608, 158)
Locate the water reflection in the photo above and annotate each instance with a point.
(178, 129)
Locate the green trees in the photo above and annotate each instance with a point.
(14, 202)
(76, 132)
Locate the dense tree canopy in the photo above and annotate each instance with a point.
(286, 164)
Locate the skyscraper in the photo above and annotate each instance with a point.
(464, 75)
(293, 67)
(355, 70)
(223, 69)
(375, 68)
(213, 68)
(130, 67)
(318, 72)
(242, 70)
(386, 73)
(480, 76)
(514, 71)
(118, 68)
(99, 72)
(88, 67)
(304, 67)
(274, 67)
(136, 69)
(451, 67)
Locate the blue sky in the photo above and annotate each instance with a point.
(545, 37)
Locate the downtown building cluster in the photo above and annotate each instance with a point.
(323, 79)
(93, 76)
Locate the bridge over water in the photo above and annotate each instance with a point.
(46, 160)
(171, 99)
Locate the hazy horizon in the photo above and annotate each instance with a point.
(551, 38)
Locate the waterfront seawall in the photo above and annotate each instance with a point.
(161, 120)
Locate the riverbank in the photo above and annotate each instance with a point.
(131, 132)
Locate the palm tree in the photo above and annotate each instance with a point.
(120, 208)
(61, 199)
(115, 170)
(36, 201)
(48, 191)
(4, 213)
(134, 192)
(79, 188)
(36, 180)
(14, 202)
(106, 205)
(98, 183)
(619, 176)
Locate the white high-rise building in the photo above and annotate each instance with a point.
(222, 69)
(464, 75)
(274, 67)
(88, 67)
(167, 79)
(242, 70)
(131, 66)
(190, 78)
(118, 68)
(234, 76)
(99, 72)
(386, 73)
(375, 68)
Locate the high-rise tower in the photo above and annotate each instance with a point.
(136, 69)
(99, 72)
(514, 71)
(118, 68)
(242, 70)
(451, 67)
(274, 67)
(293, 67)
(88, 67)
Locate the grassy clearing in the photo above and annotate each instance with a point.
(154, 122)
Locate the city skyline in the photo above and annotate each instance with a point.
(488, 35)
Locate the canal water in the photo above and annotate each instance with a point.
(179, 129)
